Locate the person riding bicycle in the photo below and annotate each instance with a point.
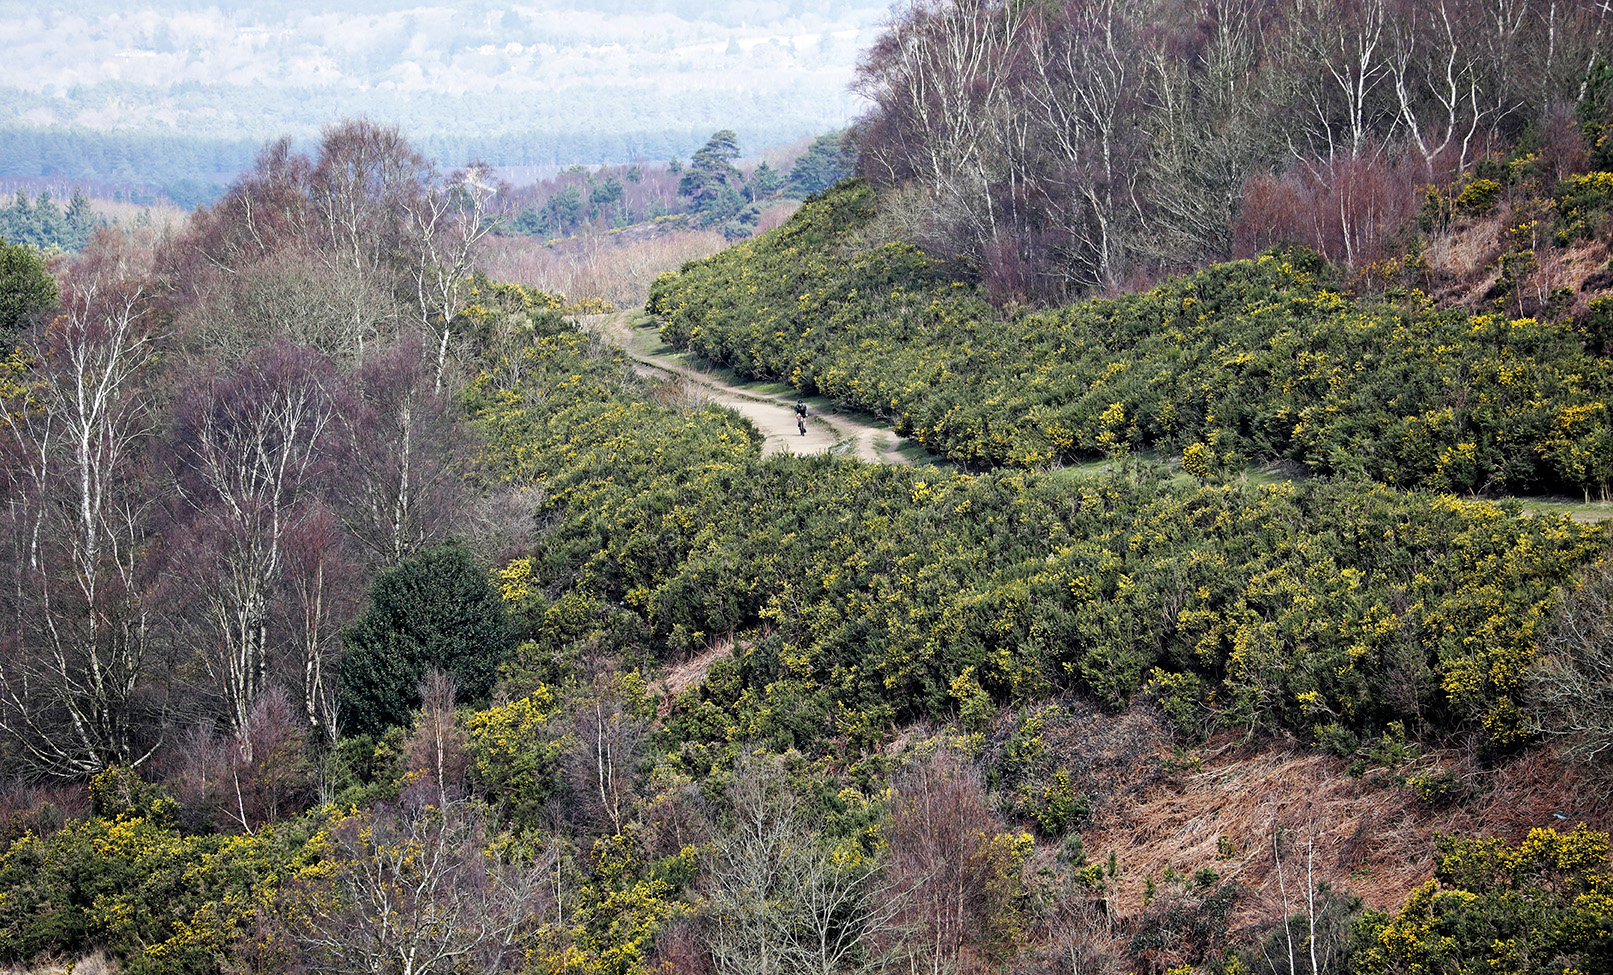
(800, 416)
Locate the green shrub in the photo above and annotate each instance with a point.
(1542, 906)
(1478, 197)
(27, 292)
(1582, 204)
(437, 609)
(1251, 359)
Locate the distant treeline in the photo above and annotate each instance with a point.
(190, 169)
(42, 223)
(131, 157)
(711, 190)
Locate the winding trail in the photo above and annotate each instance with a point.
(828, 429)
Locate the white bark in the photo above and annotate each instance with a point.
(81, 619)
(249, 457)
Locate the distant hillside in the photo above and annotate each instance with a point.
(516, 85)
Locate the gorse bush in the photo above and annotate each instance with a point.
(159, 900)
(1541, 906)
(864, 595)
(1257, 360)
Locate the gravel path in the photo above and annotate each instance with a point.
(774, 416)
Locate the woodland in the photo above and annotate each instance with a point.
(367, 613)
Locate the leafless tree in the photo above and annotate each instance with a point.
(1571, 686)
(362, 186)
(362, 183)
(400, 491)
(950, 870)
(268, 780)
(436, 751)
(1436, 79)
(246, 447)
(1347, 46)
(1083, 937)
(1207, 130)
(299, 296)
(601, 754)
(445, 224)
(940, 86)
(1083, 85)
(414, 891)
(321, 590)
(779, 899)
(1310, 937)
(79, 533)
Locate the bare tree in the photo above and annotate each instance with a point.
(436, 752)
(246, 448)
(1311, 936)
(264, 211)
(1436, 78)
(603, 744)
(362, 186)
(414, 891)
(268, 778)
(321, 590)
(445, 224)
(1208, 133)
(1083, 936)
(1571, 686)
(1083, 86)
(951, 871)
(941, 88)
(779, 899)
(75, 425)
(1347, 42)
(302, 297)
(400, 492)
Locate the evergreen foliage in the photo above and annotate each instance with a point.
(437, 609)
(827, 161)
(1304, 606)
(42, 223)
(1541, 906)
(27, 291)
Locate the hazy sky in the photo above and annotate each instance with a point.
(277, 67)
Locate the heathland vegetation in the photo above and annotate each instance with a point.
(364, 613)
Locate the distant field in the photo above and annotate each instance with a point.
(160, 216)
(614, 267)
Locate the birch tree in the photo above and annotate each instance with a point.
(361, 187)
(780, 900)
(415, 891)
(445, 223)
(400, 491)
(247, 445)
(76, 417)
(941, 88)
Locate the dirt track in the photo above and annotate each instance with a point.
(774, 416)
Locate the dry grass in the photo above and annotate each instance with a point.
(617, 268)
(99, 963)
(160, 216)
(1465, 266)
(1227, 815)
(776, 214)
(692, 672)
(1468, 248)
(1369, 836)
